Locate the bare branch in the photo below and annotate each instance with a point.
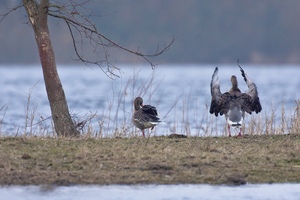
(80, 122)
(82, 29)
(99, 63)
(10, 10)
(85, 29)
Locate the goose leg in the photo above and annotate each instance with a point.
(240, 133)
(228, 127)
(143, 131)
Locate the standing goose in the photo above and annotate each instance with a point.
(234, 103)
(144, 116)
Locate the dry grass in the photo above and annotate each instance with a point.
(114, 154)
(185, 115)
(161, 160)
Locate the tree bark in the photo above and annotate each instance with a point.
(38, 16)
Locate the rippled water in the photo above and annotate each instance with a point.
(155, 192)
(181, 94)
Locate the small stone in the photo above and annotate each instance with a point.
(26, 156)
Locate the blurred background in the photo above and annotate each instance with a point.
(263, 35)
(205, 32)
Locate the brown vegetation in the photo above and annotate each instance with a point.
(268, 152)
(156, 160)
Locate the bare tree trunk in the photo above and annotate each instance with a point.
(38, 16)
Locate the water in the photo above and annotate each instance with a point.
(155, 192)
(181, 94)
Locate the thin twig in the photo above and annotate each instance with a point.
(76, 21)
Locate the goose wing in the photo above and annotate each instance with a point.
(150, 110)
(219, 102)
(250, 98)
(147, 113)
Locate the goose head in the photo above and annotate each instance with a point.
(234, 83)
(138, 103)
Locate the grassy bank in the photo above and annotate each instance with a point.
(157, 160)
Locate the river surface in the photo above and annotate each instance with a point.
(180, 93)
(154, 192)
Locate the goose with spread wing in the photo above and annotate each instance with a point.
(144, 116)
(233, 104)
